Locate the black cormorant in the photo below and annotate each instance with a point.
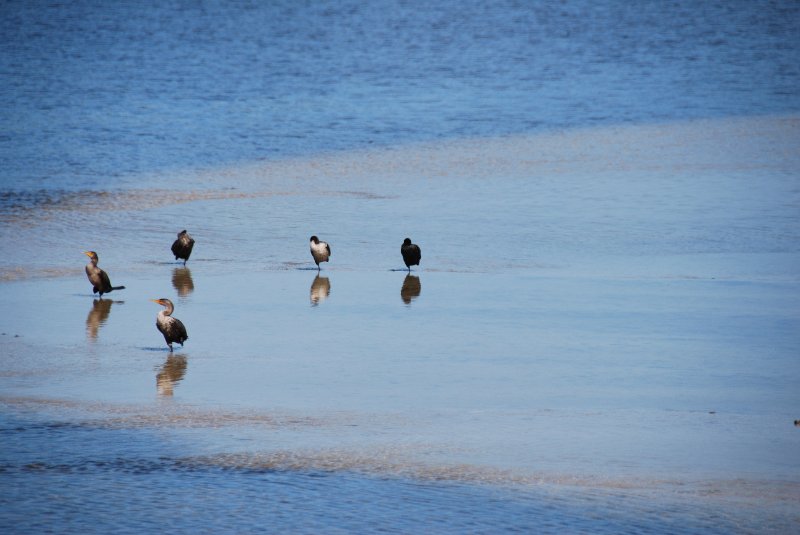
(320, 250)
(172, 328)
(182, 247)
(411, 253)
(99, 278)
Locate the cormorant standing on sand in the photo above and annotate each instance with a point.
(411, 253)
(99, 278)
(172, 328)
(182, 247)
(320, 250)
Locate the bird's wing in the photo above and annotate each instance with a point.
(105, 280)
(180, 329)
(328, 248)
(176, 245)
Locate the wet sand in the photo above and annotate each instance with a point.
(604, 324)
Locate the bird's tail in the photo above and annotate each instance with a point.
(117, 287)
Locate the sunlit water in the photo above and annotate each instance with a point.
(602, 336)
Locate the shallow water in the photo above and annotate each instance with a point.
(179, 492)
(601, 337)
(632, 369)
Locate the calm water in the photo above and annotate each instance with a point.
(602, 336)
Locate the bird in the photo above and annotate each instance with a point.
(320, 250)
(172, 328)
(99, 278)
(411, 253)
(182, 247)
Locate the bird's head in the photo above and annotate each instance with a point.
(314, 239)
(407, 241)
(163, 302)
(91, 254)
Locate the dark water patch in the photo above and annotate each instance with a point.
(97, 94)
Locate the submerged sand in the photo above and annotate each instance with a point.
(607, 310)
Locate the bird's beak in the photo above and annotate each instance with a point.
(156, 301)
(87, 253)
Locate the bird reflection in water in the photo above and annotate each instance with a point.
(170, 374)
(182, 281)
(320, 290)
(411, 289)
(97, 317)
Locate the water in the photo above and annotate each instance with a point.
(259, 497)
(94, 95)
(602, 334)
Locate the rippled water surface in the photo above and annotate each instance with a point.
(602, 334)
(94, 93)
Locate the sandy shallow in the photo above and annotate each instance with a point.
(602, 316)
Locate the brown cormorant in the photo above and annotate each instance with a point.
(182, 247)
(320, 250)
(99, 278)
(172, 328)
(411, 253)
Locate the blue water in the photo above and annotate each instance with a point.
(98, 479)
(601, 337)
(93, 92)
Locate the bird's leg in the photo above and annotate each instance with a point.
(170, 347)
